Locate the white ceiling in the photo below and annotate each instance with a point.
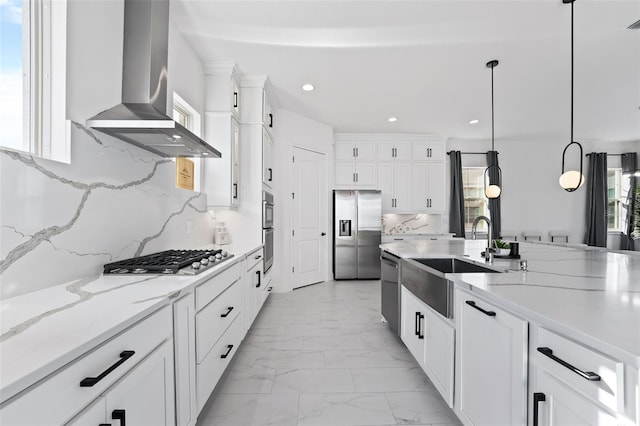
(424, 62)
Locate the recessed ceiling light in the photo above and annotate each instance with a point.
(474, 121)
(392, 119)
(308, 87)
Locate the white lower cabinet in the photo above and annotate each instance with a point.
(143, 397)
(491, 363)
(430, 339)
(185, 360)
(255, 285)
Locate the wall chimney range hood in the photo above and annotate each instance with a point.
(141, 119)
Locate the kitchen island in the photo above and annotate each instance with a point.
(590, 298)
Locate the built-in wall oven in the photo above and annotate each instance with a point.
(267, 229)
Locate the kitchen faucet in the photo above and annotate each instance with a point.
(488, 254)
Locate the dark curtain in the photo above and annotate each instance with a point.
(597, 200)
(629, 166)
(494, 203)
(456, 210)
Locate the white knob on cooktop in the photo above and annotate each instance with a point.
(204, 261)
(195, 265)
(218, 256)
(224, 253)
(212, 258)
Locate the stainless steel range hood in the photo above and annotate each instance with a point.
(141, 119)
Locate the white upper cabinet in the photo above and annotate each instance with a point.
(428, 183)
(395, 185)
(267, 112)
(428, 150)
(356, 150)
(222, 88)
(222, 175)
(267, 159)
(394, 151)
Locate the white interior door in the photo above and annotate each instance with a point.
(309, 242)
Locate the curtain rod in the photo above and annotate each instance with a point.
(471, 153)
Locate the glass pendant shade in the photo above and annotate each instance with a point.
(492, 190)
(571, 180)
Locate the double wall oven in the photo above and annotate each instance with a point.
(267, 229)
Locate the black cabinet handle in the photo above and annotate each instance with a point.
(322, 234)
(269, 288)
(537, 397)
(473, 305)
(420, 330)
(257, 257)
(235, 190)
(259, 279)
(226, 314)
(417, 323)
(270, 174)
(104, 424)
(589, 375)
(87, 382)
(119, 415)
(226, 354)
(235, 99)
(270, 120)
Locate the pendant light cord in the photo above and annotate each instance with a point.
(571, 72)
(492, 122)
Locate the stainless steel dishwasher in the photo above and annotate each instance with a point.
(390, 288)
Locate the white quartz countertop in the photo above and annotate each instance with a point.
(44, 330)
(591, 295)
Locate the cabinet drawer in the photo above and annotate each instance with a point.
(609, 390)
(254, 258)
(214, 319)
(59, 397)
(213, 365)
(212, 288)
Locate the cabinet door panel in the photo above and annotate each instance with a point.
(366, 174)
(366, 151)
(439, 354)
(403, 151)
(267, 159)
(412, 324)
(386, 151)
(402, 187)
(437, 151)
(436, 185)
(420, 189)
(492, 354)
(185, 359)
(93, 415)
(420, 151)
(235, 162)
(345, 174)
(345, 150)
(385, 174)
(146, 392)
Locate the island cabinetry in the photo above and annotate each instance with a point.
(491, 363)
(130, 374)
(218, 327)
(184, 341)
(430, 339)
(575, 384)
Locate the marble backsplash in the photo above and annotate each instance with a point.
(61, 222)
(411, 224)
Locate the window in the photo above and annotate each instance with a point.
(33, 77)
(617, 192)
(186, 115)
(475, 202)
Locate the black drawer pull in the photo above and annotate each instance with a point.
(119, 415)
(269, 288)
(537, 397)
(87, 382)
(226, 354)
(235, 190)
(259, 279)
(473, 305)
(589, 375)
(417, 323)
(270, 120)
(257, 257)
(270, 174)
(226, 314)
(235, 99)
(420, 330)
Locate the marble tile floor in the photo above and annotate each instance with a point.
(320, 356)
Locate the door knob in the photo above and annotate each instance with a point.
(323, 234)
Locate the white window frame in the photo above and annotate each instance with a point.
(46, 129)
(194, 125)
(622, 187)
(482, 227)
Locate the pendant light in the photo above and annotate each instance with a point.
(492, 190)
(571, 179)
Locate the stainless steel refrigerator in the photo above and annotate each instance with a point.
(357, 229)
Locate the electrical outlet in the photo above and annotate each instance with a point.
(189, 227)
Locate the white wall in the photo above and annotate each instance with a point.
(295, 130)
(531, 197)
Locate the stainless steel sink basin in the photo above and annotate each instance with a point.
(454, 266)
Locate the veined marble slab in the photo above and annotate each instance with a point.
(44, 330)
(592, 295)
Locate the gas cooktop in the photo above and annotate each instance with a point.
(182, 262)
